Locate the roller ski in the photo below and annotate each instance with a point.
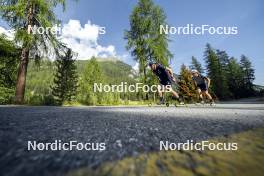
(177, 102)
(205, 103)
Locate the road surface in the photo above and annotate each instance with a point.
(126, 131)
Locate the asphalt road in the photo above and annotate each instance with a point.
(126, 131)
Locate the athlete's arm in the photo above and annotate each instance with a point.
(194, 82)
(208, 81)
(169, 70)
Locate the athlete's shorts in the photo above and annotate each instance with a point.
(173, 84)
(164, 83)
(203, 87)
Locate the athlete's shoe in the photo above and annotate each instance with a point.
(161, 101)
(179, 100)
(174, 98)
(212, 103)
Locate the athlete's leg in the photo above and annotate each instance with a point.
(161, 97)
(175, 94)
(160, 93)
(172, 88)
(200, 94)
(207, 94)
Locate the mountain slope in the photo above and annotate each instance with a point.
(40, 77)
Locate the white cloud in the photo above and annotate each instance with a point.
(73, 29)
(136, 66)
(8, 33)
(84, 40)
(81, 39)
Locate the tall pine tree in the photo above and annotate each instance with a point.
(21, 15)
(65, 79)
(144, 39)
(212, 66)
(223, 60)
(196, 65)
(92, 74)
(248, 76)
(234, 78)
(217, 68)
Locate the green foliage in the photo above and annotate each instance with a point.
(223, 60)
(41, 75)
(186, 85)
(105, 72)
(65, 79)
(8, 65)
(8, 69)
(235, 77)
(216, 64)
(21, 15)
(196, 65)
(6, 95)
(229, 78)
(40, 99)
(39, 80)
(144, 39)
(92, 74)
(238, 76)
(212, 66)
(241, 77)
(248, 76)
(114, 71)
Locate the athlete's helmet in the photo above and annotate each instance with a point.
(195, 71)
(151, 63)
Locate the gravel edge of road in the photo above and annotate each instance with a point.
(246, 161)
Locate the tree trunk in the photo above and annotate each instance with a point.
(23, 63)
(21, 76)
(145, 82)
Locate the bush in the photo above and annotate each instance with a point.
(6, 95)
(49, 100)
(38, 100)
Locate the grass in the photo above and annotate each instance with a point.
(246, 161)
(123, 103)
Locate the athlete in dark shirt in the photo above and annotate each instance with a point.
(165, 76)
(202, 83)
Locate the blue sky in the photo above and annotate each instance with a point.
(247, 15)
